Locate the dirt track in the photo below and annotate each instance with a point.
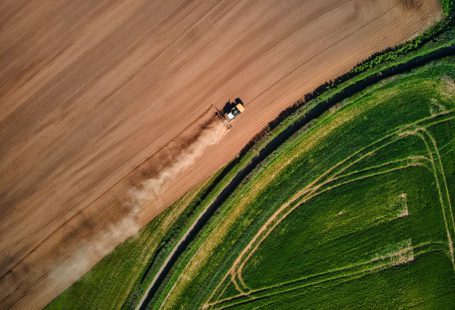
(90, 89)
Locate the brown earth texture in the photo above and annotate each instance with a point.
(106, 109)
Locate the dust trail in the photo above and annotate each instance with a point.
(75, 265)
(150, 189)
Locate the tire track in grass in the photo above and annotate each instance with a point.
(405, 253)
(346, 273)
(303, 195)
(316, 189)
(443, 193)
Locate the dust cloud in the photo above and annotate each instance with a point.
(75, 265)
(151, 188)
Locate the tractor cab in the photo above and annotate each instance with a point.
(236, 109)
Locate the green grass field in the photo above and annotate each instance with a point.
(355, 211)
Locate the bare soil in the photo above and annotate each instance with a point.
(97, 97)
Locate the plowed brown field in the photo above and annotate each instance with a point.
(97, 96)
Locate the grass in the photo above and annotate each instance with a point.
(364, 206)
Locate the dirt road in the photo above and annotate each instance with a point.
(98, 96)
